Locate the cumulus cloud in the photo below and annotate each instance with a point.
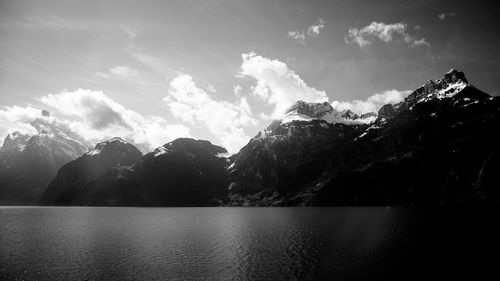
(312, 31)
(223, 119)
(315, 29)
(383, 32)
(100, 117)
(16, 118)
(372, 103)
(297, 36)
(443, 16)
(118, 72)
(277, 85)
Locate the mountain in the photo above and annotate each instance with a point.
(291, 152)
(29, 162)
(74, 182)
(437, 147)
(184, 172)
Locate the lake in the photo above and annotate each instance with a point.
(358, 243)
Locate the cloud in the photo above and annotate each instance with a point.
(223, 119)
(383, 32)
(16, 118)
(123, 71)
(297, 36)
(131, 34)
(44, 20)
(314, 29)
(277, 85)
(443, 16)
(100, 117)
(154, 63)
(211, 88)
(237, 90)
(119, 72)
(372, 103)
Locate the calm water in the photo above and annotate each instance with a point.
(244, 243)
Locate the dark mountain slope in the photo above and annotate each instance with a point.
(74, 181)
(184, 172)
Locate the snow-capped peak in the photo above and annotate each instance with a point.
(100, 146)
(452, 83)
(162, 150)
(303, 111)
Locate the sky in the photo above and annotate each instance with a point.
(221, 70)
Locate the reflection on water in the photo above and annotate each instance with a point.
(238, 243)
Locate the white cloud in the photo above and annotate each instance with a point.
(277, 85)
(372, 103)
(383, 32)
(211, 88)
(443, 16)
(237, 90)
(17, 118)
(223, 119)
(124, 71)
(118, 72)
(314, 29)
(131, 34)
(100, 117)
(297, 36)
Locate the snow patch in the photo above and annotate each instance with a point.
(161, 150)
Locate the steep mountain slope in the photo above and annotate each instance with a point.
(290, 153)
(29, 162)
(437, 147)
(184, 172)
(74, 181)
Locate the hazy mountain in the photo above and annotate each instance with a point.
(438, 147)
(29, 162)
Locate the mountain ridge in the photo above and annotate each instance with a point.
(436, 147)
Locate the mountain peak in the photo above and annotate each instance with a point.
(454, 76)
(15, 141)
(189, 144)
(452, 83)
(308, 111)
(113, 145)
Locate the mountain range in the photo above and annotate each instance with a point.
(439, 146)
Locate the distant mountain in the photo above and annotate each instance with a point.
(184, 172)
(437, 147)
(29, 162)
